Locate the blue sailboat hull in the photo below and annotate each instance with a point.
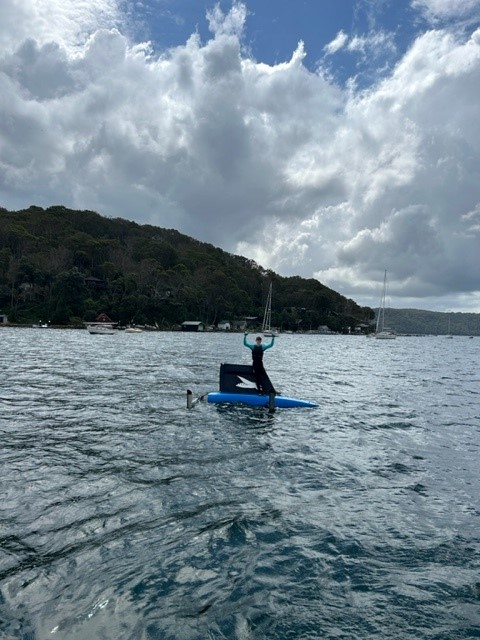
(255, 400)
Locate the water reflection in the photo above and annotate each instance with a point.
(126, 516)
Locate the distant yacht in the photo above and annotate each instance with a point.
(449, 334)
(382, 332)
(267, 329)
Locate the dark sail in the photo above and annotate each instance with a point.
(239, 378)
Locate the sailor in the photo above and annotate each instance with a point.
(261, 377)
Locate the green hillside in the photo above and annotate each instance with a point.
(68, 266)
(416, 321)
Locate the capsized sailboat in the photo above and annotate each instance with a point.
(237, 386)
(382, 332)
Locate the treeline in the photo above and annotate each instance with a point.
(418, 321)
(67, 266)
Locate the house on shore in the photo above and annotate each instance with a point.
(102, 317)
(3, 318)
(241, 324)
(95, 283)
(224, 325)
(193, 325)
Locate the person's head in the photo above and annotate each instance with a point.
(258, 340)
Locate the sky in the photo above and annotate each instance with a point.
(333, 139)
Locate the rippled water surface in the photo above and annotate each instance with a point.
(125, 516)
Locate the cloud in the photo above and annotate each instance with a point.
(231, 23)
(65, 22)
(375, 44)
(337, 43)
(407, 150)
(435, 10)
(270, 161)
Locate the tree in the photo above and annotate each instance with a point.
(70, 292)
(45, 256)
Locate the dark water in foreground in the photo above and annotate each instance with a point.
(125, 516)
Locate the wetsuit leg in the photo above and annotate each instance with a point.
(259, 371)
(267, 386)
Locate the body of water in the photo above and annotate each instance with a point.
(125, 516)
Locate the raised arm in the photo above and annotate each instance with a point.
(246, 343)
(270, 344)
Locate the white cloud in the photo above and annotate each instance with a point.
(274, 162)
(231, 23)
(376, 43)
(337, 43)
(446, 9)
(65, 22)
(409, 151)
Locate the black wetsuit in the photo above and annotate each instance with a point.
(261, 378)
(258, 368)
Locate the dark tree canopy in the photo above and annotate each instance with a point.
(68, 266)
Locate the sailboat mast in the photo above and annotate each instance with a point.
(384, 299)
(381, 331)
(267, 317)
(381, 310)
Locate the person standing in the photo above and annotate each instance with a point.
(261, 377)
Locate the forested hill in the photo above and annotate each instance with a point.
(421, 322)
(67, 266)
